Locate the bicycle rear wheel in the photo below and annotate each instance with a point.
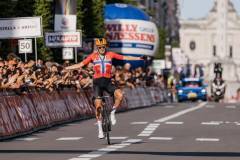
(106, 125)
(108, 137)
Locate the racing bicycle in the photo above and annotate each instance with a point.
(106, 122)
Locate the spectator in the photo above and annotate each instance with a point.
(17, 75)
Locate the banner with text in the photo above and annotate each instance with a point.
(132, 36)
(22, 27)
(63, 39)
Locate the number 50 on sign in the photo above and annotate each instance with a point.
(25, 46)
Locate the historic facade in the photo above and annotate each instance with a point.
(215, 38)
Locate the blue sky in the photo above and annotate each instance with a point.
(200, 8)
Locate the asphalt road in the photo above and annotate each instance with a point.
(186, 131)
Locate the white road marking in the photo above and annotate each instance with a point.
(69, 138)
(169, 107)
(102, 151)
(173, 122)
(210, 123)
(124, 144)
(27, 139)
(91, 155)
(116, 146)
(161, 138)
(108, 149)
(210, 106)
(154, 124)
(207, 139)
(133, 123)
(164, 119)
(118, 137)
(149, 130)
(143, 135)
(217, 122)
(132, 141)
(231, 107)
(80, 159)
(237, 123)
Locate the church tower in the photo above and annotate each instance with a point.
(222, 28)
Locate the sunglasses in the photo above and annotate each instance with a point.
(101, 47)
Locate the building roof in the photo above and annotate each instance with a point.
(230, 7)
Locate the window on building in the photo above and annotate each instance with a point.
(214, 50)
(231, 52)
(192, 45)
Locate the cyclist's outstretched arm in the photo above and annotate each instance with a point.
(75, 66)
(128, 58)
(131, 58)
(81, 64)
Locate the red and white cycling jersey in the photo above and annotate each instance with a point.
(102, 66)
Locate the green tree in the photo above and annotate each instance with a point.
(44, 8)
(93, 21)
(7, 8)
(24, 8)
(162, 42)
(79, 14)
(175, 43)
(6, 11)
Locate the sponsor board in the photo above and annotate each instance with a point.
(22, 27)
(132, 36)
(63, 39)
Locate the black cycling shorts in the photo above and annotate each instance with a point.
(103, 84)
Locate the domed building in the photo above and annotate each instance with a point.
(215, 38)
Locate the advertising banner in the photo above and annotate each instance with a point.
(23, 27)
(65, 15)
(63, 39)
(129, 36)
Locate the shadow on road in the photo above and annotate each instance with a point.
(179, 154)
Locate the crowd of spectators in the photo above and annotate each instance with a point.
(20, 76)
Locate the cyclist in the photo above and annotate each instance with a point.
(102, 60)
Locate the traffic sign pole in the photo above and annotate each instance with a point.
(36, 55)
(76, 61)
(25, 55)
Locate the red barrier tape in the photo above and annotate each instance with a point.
(21, 114)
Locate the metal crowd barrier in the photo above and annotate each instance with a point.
(26, 113)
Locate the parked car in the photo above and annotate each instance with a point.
(191, 89)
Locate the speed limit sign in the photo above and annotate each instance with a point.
(25, 46)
